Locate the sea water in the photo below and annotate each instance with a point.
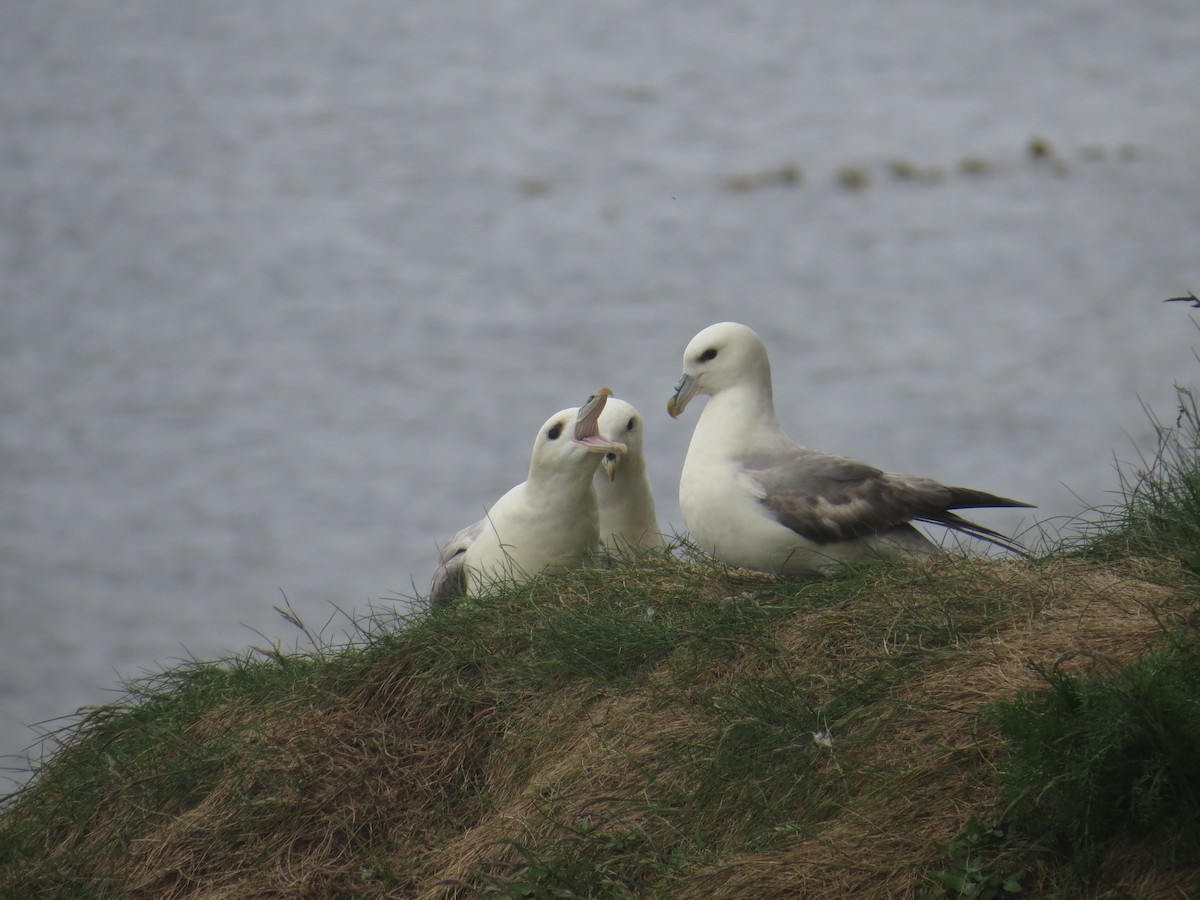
(286, 288)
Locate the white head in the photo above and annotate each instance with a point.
(570, 440)
(621, 423)
(721, 356)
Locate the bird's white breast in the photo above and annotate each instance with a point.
(523, 536)
(722, 505)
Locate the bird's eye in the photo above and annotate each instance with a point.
(555, 431)
(629, 427)
(710, 353)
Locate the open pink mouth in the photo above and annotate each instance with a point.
(587, 424)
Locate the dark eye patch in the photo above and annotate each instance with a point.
(632, 422)
(555, 431)
(710, 353)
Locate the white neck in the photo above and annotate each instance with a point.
(735, 417)
(570, 480)
(629, 491)
(627, 515)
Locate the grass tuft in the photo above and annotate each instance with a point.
(1109, 753)
(1159, 511)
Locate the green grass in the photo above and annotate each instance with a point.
(1110, 754)
(1159, 510)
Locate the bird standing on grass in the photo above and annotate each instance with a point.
(754, 498)
(628, 521)
(548, 522)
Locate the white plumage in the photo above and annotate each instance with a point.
(752, 497)
(548, 522)
(628, 521)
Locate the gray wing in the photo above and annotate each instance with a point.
(450, 579)
(828, 498)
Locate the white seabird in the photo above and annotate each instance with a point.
(754, 498)
(628, 521)
(548, 522)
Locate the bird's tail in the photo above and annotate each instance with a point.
(949, 520)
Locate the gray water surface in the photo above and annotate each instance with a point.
(287, 288)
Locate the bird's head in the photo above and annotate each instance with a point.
(620, 423)
(571, 437)
(719, 357)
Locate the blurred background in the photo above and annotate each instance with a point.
(286, 288)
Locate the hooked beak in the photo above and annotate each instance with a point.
(609, 463)
(587, 431)
(685, 390)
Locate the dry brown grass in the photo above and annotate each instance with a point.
(937, 749)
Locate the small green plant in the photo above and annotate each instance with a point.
(1111, 754)
(976, 858)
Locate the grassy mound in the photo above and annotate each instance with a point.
(659, 728)
(673, 728)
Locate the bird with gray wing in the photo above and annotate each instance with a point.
(754, 498)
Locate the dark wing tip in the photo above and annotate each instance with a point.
(949, 520)
(969, 498)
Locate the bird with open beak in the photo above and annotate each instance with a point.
(548, 522)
